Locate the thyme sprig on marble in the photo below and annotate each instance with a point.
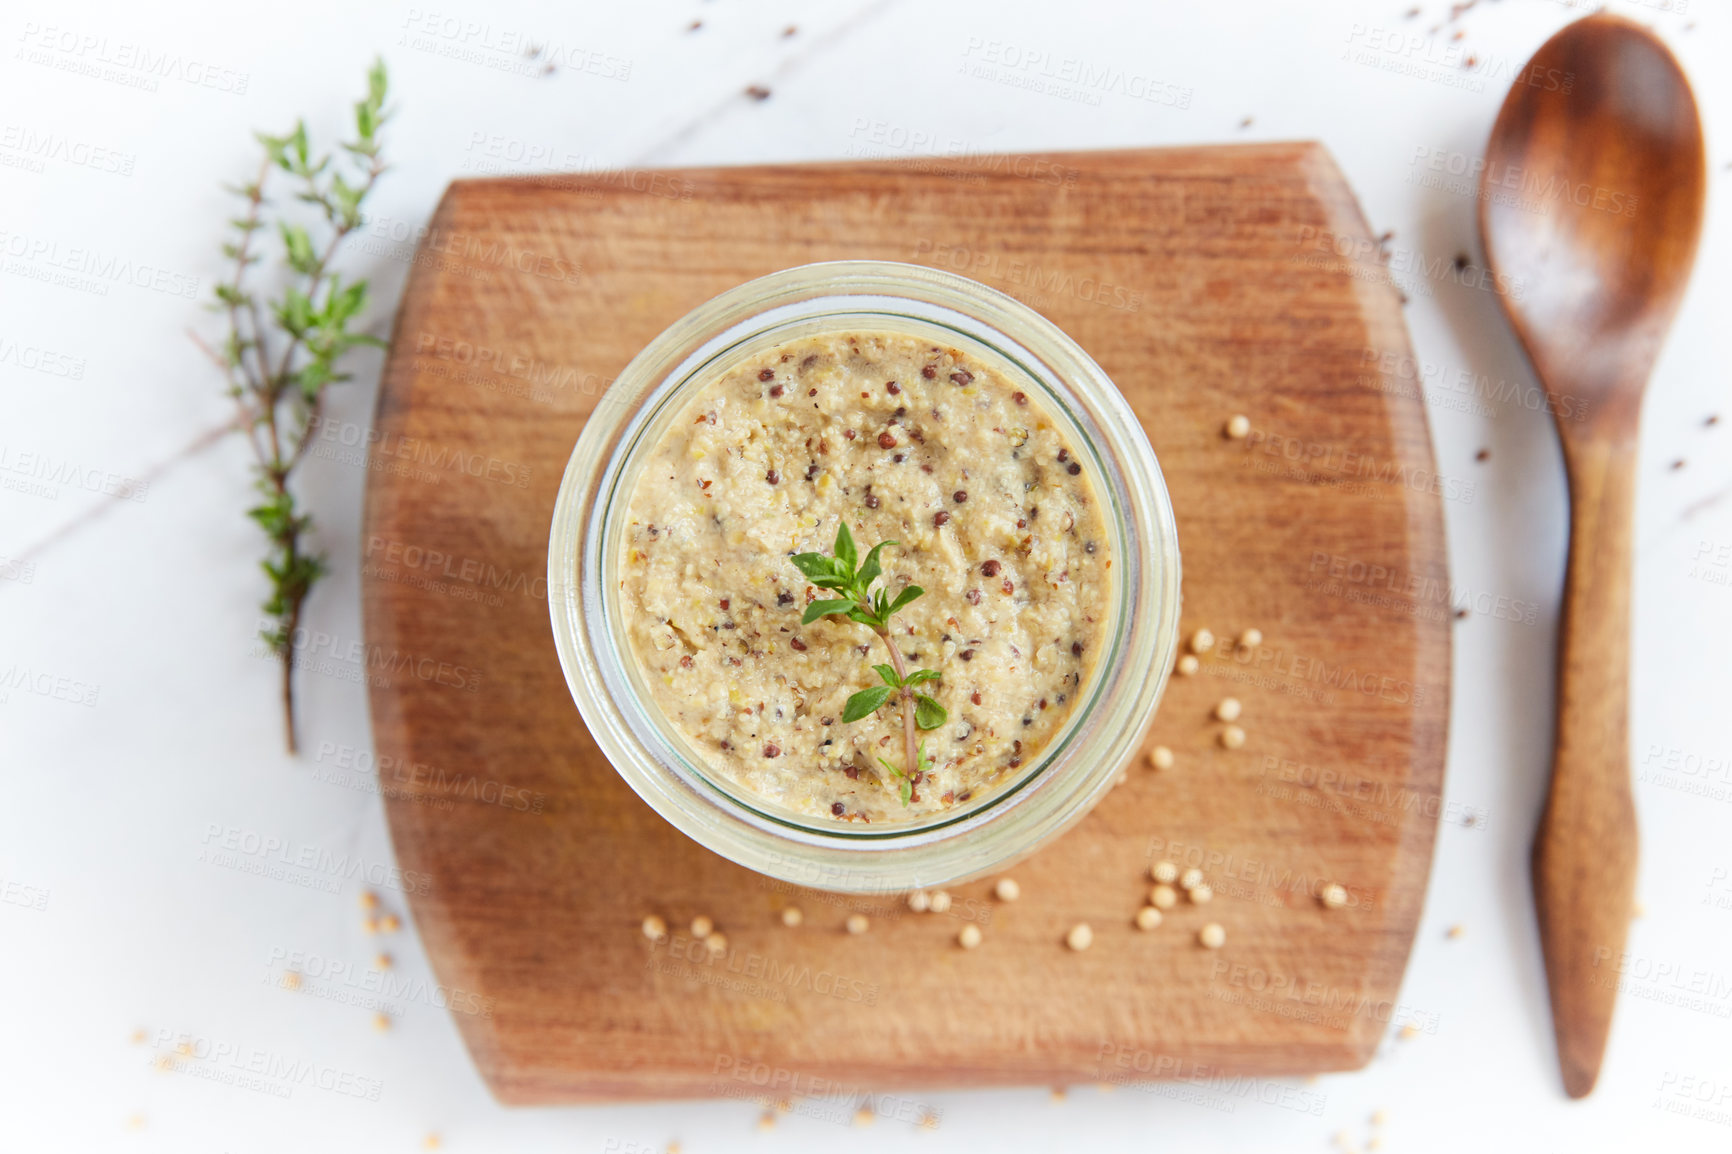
(282, 348)
(846, 574)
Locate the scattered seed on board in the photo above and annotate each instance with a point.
(654, 928)
(1250, 639)
(1232, 737)
(1080, 936)
(1190, 879)
(702, 927)
(717, 943)
(1333, 896)
(1238, 425)
(1202, 641)
(1187, 665)
(1163, 897)
(1160, 757)
(1228, 709)
(940, 901)
(919, 901)
(857, 924)
(1164, 872)
(792, 916)
(1201, 895)
(1007, 890)
(1148, 918)
(1213, 936)
(968, 937)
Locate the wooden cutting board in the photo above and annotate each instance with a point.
(1207, 282)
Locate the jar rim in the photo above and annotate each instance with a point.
(1062, 782)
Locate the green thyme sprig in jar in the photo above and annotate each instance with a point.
(844, 573)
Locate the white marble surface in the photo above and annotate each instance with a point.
(157, 738)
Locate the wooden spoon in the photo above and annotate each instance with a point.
(1601, 134)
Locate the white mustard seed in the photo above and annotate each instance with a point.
(1228, 709)
(702, 927)
(857, 924)
(940, 901)
(1007, 890)
(1250, 639)
(1148, 918)
(1233, 737)
(919, 901)
(1213, 936)
(969, 936)
(1160, 757)
(654, 928)
(1201, 895)
(1238, 427)
(1333, 896)
(1164, 872)
(1080, 936)
(1456, 931)
(1202, 641)
(1163, 897)
(1187, 665)
(792, 916)
(717, 943)
(1190, 879)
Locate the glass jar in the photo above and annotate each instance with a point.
(1059, 785)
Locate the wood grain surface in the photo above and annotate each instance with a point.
(1207, 282)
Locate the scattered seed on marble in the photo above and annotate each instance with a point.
(1164, 872)
(857, 924)
(1456, 931)
(1160, 757)
(969, 936)
(1408, 1033)
(1213, 936)
(390, 924)
(1148, 918)
(369, 900)
(1232, 737)
(381, 1022)
(1007, 890)
(1080, 936)
(1228, 709)
(1163, 897)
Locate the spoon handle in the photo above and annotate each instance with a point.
(1584, 857)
